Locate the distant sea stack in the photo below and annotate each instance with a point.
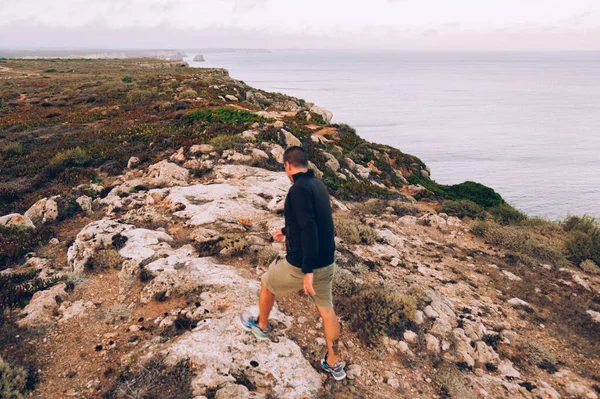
(199, 58)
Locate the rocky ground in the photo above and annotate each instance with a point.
(152, 270)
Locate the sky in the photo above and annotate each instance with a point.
(347, 24)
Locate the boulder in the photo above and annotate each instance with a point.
(325, 114)
(42, 307)
(199, 58)
(95, 236)
(484, 355)
(594, 315)
(178, 156)
(167, 174)
(76, 309)
(16, 220)
(277, 153)
(230, 391)
(506, 369)
(133, 162)
(230, 97)
(290, 139)
(43, 211)
(332, 163)
(85, 203)
(201, 149)
(432, 344)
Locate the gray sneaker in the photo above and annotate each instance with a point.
(249, 324)
(337, 371)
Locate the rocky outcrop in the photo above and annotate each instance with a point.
(199, 58)
(42, 308)
(43, 211)
(16, 220)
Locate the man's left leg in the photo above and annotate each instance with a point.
(332, 334)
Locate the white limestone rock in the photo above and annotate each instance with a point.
(42, 307)
(43, 211)
(16, 220)
(166, 174)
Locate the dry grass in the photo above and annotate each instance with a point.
(590, 267)
(115, 313)
(451, 382)
(13, 381)
(105, 259)
(352, 231)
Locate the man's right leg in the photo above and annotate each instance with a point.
(266, 301)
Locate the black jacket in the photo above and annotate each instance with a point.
(308, 224)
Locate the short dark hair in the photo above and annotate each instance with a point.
(296, 156)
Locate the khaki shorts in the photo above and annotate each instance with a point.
(282, 278)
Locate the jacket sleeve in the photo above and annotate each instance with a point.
(304, 212)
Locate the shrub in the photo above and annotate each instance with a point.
(343, 283)
(233, 245)
(127, 79)
(225, 141)
(188, 94)
(518, 240)
(13, 149)
(72, 157)
(13, 381)
(154, 380)
(506, 214)
(141, 96)
(581, 246)
(353, 231)
(478, 193)
(16, 242)
(462, 209)
(348, 138)
(105, 259)
(589, 266)
(375, 312)
(265, 255)
(585, 224)
(451, 382)
(222, 115)
(51, 70)
(16, 289)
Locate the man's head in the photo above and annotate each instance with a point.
(295, 160)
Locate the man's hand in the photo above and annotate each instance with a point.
(278, 235)
(308, 284)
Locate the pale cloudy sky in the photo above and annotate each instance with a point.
(381, 24)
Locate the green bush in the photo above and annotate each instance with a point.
(375, 312)
(478, 193)
(348, 138)
(72, 157)
(127, 79)
(462, 209)
(352, 231)
(13, 381)
(222, 115)
(51, 70)
(506, 214)
(586, 224)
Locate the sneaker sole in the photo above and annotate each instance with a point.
(331, 372)
(260, 338)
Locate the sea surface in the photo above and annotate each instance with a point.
(525, 124)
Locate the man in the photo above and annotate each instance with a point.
(309, 262)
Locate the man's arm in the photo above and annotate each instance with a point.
(303, 209)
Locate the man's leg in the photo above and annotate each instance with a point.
(265, 304)
(332, 334)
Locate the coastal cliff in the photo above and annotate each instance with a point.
(135, 210)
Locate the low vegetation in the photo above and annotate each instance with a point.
(352, 231)
(16, 242)
(153, 379)
(13, 381)
(376, 312)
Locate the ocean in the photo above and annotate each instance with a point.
(525, 124)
